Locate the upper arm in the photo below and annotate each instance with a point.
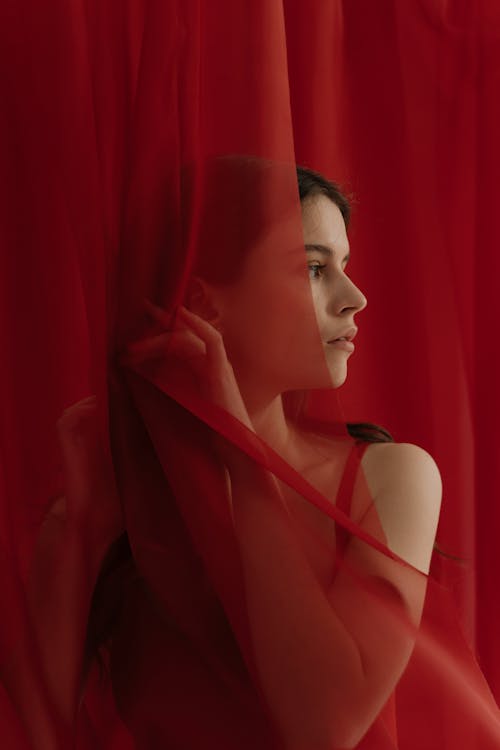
(400, 486)
(406, 486)
(397, 499)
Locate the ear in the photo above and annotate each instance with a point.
(201, 299)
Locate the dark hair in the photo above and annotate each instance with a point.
(313, 183)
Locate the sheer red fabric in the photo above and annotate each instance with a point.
(256, 600)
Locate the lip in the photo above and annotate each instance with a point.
(347, 346)
(347, 333)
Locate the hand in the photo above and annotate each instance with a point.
(196, 344)
(90, 491)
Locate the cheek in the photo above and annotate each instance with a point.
(274, 327)
(319, 301)
(257, 324)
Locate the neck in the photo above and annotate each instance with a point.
(267, 415)
(270, 423)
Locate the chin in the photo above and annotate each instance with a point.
(338, 376)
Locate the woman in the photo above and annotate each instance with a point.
(319, 696)
(256, 621)
(89, 181)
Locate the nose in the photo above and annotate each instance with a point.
(350, 298)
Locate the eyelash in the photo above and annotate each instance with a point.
(316, 267)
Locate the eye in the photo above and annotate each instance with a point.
(317, 269)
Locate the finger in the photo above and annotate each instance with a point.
(178, 343)
(216, 352)
(80, 410)
(89, 402)
(158, 313)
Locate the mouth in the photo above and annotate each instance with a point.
(345, 337)
(342, 344)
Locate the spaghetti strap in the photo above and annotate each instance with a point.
(345, 492)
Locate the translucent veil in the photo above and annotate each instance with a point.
(169, 579)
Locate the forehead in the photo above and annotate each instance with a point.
(323, 223)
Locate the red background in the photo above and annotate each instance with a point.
(398, 101)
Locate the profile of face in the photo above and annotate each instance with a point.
(336, 298)
(280, 316)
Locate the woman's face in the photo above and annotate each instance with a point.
(336, 298)
(280, 317)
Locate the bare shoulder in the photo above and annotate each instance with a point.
(389, 464)
(405, 483)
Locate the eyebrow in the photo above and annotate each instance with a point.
(325, 250)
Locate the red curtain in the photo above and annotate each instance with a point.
(113, 117)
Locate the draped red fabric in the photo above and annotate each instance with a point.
(198, 547)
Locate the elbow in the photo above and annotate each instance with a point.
(355, 715)
(350, 722)
(344, 734)
(349, 725)
(346, 738)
